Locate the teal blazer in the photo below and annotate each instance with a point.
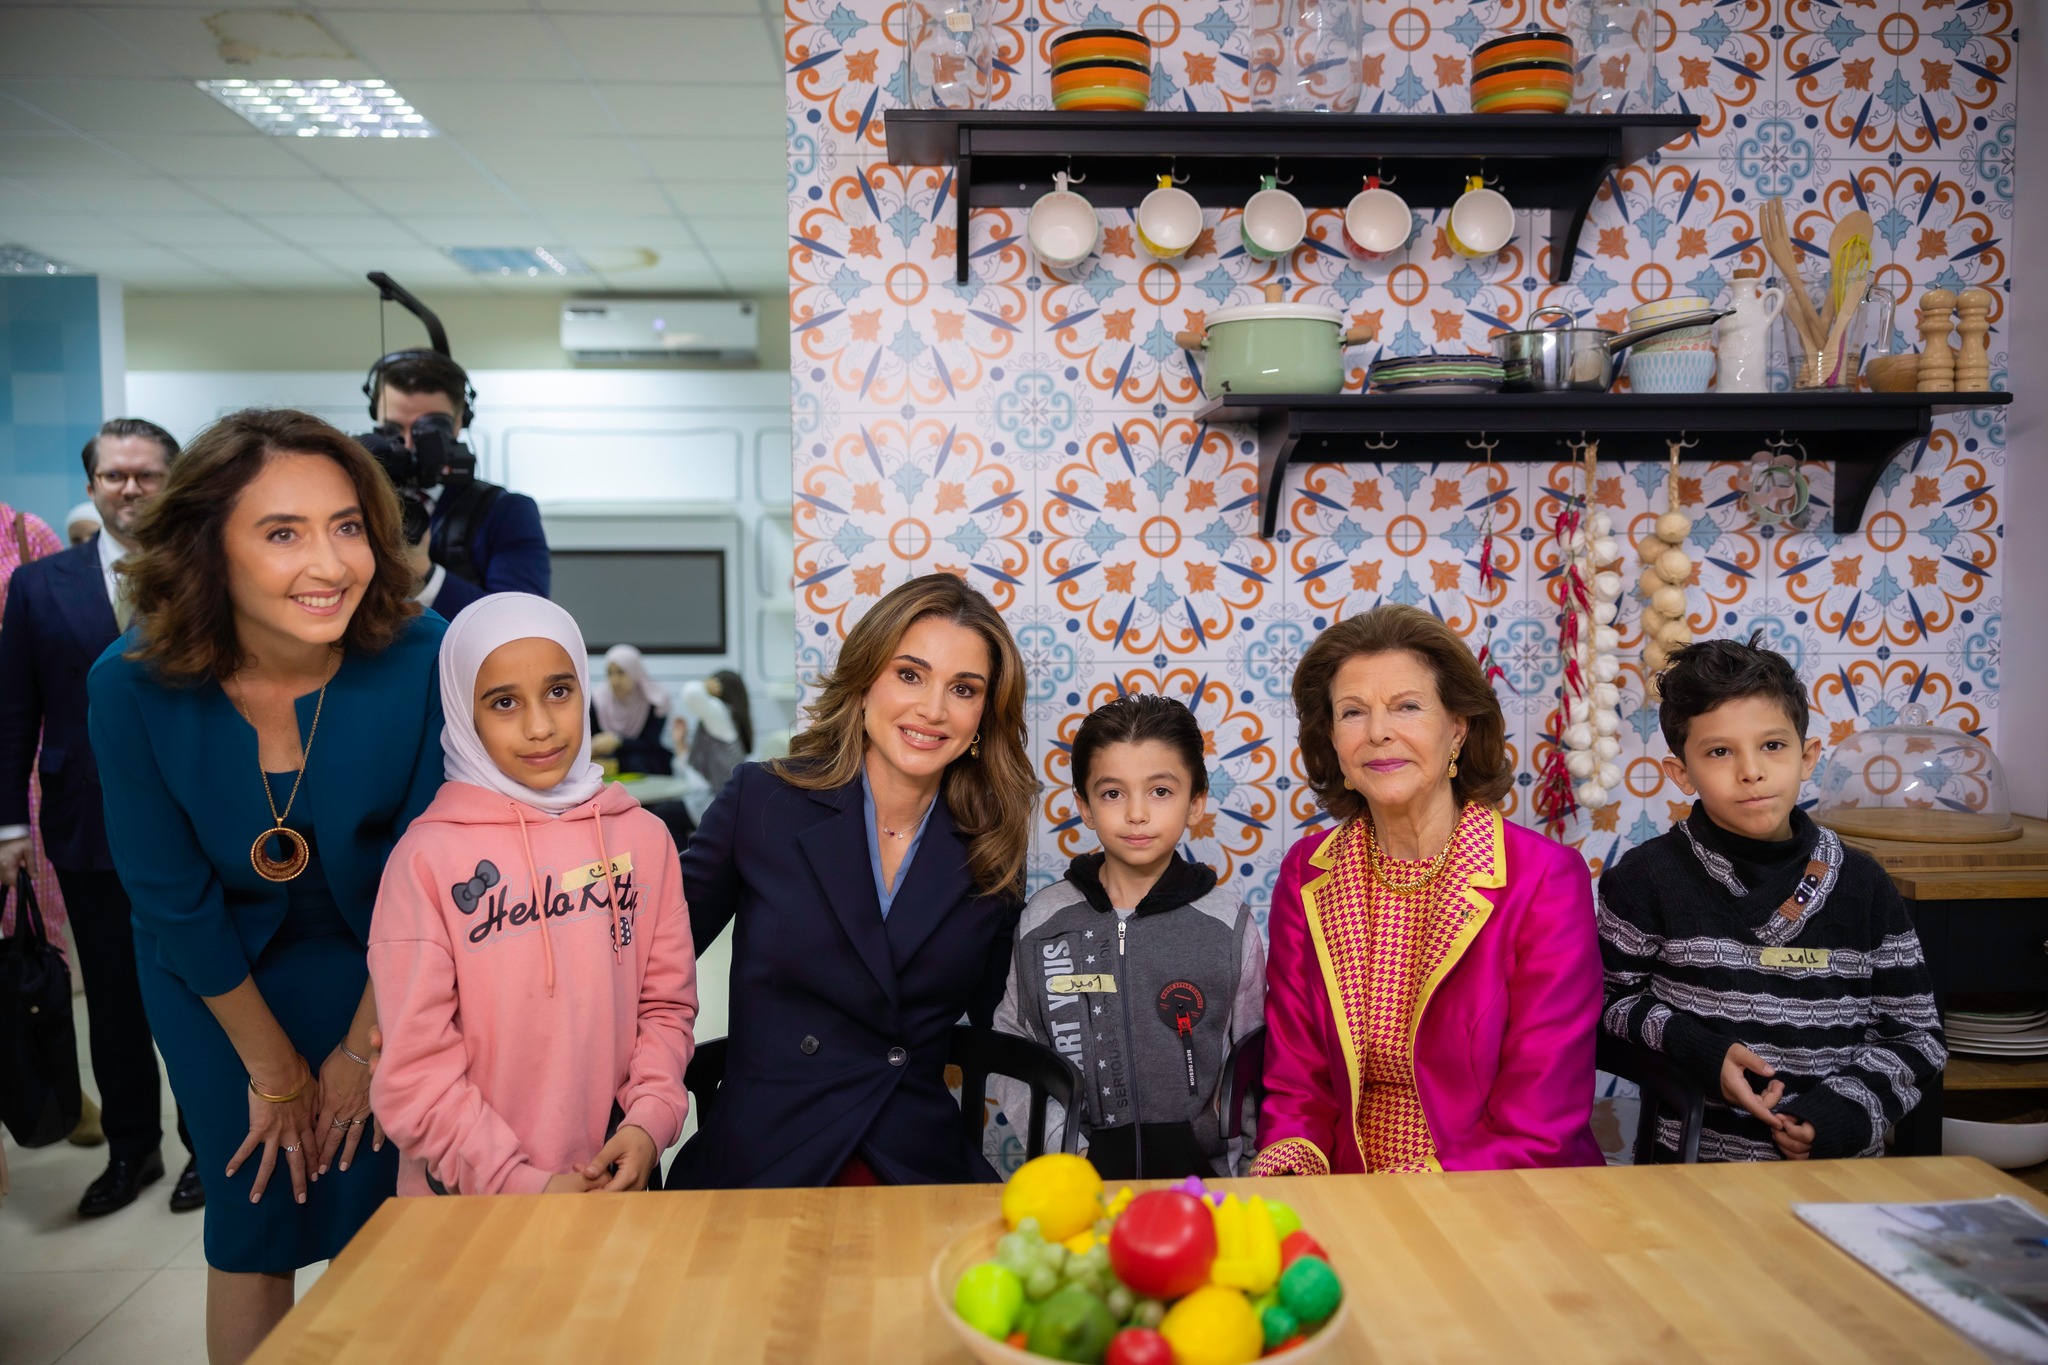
(185, 801)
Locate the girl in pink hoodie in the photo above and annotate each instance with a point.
(530, 949)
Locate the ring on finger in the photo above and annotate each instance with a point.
(355, 1123)
(340, 1123)
(289, 1147)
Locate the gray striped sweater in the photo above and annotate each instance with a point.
(1801, 950)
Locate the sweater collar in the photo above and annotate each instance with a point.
(1182, 883)
(1751, 863)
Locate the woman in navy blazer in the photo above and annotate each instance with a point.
(873, 882)
(276, 665)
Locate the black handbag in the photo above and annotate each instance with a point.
(39, 1088)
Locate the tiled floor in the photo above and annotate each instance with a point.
(132, 1286)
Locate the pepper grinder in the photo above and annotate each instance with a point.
(1973, 363)
(1937, 361)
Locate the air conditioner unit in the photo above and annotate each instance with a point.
(661, 329)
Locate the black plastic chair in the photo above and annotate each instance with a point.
(705, 1074)
(1244, 1077)
(980, 1053)
(1665, 1090)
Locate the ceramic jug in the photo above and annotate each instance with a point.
(1742, 346)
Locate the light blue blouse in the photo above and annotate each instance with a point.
(883, 892)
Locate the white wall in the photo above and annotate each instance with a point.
(2023, 727)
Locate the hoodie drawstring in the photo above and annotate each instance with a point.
(611, 882)
(547, 943)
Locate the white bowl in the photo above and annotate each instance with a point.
(979, 1244)
(2007, 1146)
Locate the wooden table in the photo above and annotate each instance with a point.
(1666, 1263)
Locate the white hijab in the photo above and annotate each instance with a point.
(628, 718)
(480, 628)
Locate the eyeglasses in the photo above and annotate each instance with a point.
(113, 481)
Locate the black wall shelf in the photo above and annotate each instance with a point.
(1005, 158)
(1859, 432)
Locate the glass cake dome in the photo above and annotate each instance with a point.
(1916, 781)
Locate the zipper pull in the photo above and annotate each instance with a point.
(1121, 925)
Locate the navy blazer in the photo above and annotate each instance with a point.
(58, 621)
(186, 800)
(508, 548)
(840, 1020)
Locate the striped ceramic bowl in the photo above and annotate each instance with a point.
(1101, 68)
(1523, 73)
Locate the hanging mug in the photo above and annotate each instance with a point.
(1377, 221)
(1062, 227)
(1274, 221)
(1169, 220)
(1482, 221)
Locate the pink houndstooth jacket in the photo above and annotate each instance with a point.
(1503, 1033)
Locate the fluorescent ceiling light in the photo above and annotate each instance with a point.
(310, 108)
(19, 260)
(530, 261)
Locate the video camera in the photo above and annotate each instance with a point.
(435, 457)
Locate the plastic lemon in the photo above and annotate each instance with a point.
(1062, 1192)
(1213, 1326)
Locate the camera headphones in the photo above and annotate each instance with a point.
(375, 380)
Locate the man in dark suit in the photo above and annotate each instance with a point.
(61, 614)
(505, 549)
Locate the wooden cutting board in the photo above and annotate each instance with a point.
(2029, 852)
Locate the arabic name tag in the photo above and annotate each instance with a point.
(1794, 959)
(1093, 983)
(576, 878)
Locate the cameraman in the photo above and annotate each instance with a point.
(480, 539)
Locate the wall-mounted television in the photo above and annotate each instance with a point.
(662, 601)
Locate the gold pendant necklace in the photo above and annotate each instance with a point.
(297, 853)
(1375, 862)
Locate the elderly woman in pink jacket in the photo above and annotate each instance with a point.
(1434, 982)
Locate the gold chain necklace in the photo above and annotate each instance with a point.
(1376, 859)
(298, 854)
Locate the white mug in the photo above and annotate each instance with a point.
(1062, 227)
(1482, 221)
(1274, 222)
(1169, 220)
(1377, 221)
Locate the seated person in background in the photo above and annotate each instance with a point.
(1135, 967)
(1772, 964)
(626, 715)
(725, 730)
(526, 1053)
(81, 523)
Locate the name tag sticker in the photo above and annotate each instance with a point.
(1095, 983)
(1791, 959)
(576, 878)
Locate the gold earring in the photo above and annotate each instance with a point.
(1454, 764)
(974, 746)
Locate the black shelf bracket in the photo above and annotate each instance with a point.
(1005, 158)
(1859, 433)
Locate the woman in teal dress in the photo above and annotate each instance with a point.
(266, 731)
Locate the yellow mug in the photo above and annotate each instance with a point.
(1482, 221)
(1168, 221)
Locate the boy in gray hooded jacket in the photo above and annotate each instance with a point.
(1134, 967)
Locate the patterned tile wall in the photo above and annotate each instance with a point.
(1036, 434)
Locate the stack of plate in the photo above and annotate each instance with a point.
(2015, 1036)
(1446, 373)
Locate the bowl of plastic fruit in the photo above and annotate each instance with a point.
(1180, 1276)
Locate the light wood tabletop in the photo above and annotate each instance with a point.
(1668, 1263)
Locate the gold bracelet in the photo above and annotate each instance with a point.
(281, 1099)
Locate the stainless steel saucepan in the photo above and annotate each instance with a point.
(1572, 359)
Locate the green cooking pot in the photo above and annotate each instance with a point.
(1274, 347)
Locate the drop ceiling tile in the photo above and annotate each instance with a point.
(469, 193)
(481, 230)
(215, 231)
(321, 230)
(384, 158)
(739, 230)
(248, 155)
(58, 235)
(54, 153)
(60, 41)
(666, 109)
(529, 158)
(19, 118)
(694, 161)
(401, 262)
(139, 106)
(703, 199)
(546, 193)
(268, 258)
(508, 47)
(505, 108)
(131, 263)
(668, 7)
(209, 43)
(135, 194)
(287, 197)
(730, 49)
(654, 231)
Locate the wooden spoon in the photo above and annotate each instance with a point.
(1849, 242)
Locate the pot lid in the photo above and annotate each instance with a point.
(1250, 312)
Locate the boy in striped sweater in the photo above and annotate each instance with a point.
(1774, 965)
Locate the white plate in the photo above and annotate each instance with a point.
(2031, 1051)
(1454, 387)
(1987, 1035)
(1996, 1021)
